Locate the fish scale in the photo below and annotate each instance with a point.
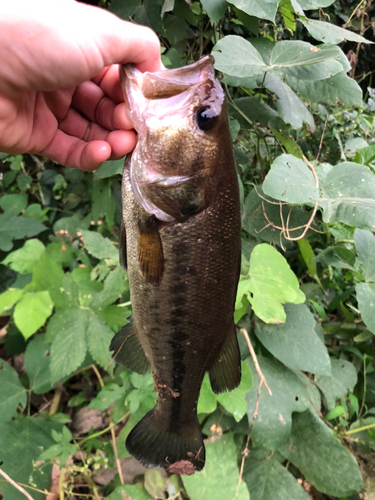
(183, 278)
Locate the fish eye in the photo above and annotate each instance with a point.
(206, 117)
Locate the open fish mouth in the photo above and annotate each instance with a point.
(174, 112)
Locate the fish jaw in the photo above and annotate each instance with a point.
(173, 153)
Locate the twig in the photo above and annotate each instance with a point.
(55, 401)
(114, 445)
(17, 486)
(360, 429)
(262, 381)
(255, 361)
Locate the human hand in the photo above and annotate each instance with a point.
(60, 95)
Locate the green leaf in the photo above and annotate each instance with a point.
(365, 244)
(342, 381)
(267, 479)
(320, 456)
(234, 401)
(329, 33)
(107, 396)
(12, 394)
(115, 316)
(273, 424)
(13, 203)
(9, 298)
(98, 246)
(290, 180)
(22, 440)
(366, 303)
(365, 155)
(47, 275)
(155, 483)
(335, 413)
(301, 60)
(24, 182)
(295, 342)
(98, 338)
(207, 399)
(114, 285)
(339, 88)
(256, 111)
(257, 8)
(60, 253)
(133, 491)
(23, 259)
(15, 228)
(125, 10)
(215, 9)
(219, 478)
(32, 311)
(348, 195)
(37, 363)
(270, 228)
(290, 107)
(68, 348)
(314, 4)
(308, 256)
(248, 61)
(110, 168)
(148, 14)
(272, 284)
(289, 144)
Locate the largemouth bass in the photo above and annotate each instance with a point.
(180, 241)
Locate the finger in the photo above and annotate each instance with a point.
(93, 103)
(78, 126)
(121, 142)
(75, 153)
(109, 81)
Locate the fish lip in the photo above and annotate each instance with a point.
(176, 80)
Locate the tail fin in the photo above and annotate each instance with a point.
(181, 452)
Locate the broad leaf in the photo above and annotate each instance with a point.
(14, 203)
(110, 168)
(107, 396)
(365, 155)
(114, 285)
(215, 9)
(207, 399)
(256, 111)
(342, 381)
(12, 394)
(295, 342)
(272, 284)
(288, 56)
(339, 88)
(314, 4)
(37, 363)
(290, 107)
(219, 478)
(13, 228)
(9, 298)
(98, 338)
(320, 456)
(68, 348)
(329, 33)
(248, 61)
(267, 479)
(365, 244)
(134, 491)
(366, 303)
(22, 441)
(348, 195)
(234, 401)
(291, 180)
(262, 218)
(257, 8)
(98, 246)
(32, 311)
(273, 424)
(23, 259)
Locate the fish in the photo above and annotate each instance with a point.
(180, 243)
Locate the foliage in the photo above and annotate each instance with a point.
(305, 154)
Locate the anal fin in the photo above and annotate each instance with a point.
(128, 350)
(150, 250)
(225, 373)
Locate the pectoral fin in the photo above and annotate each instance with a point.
(128, 350)
(225, 373)
(150, 250)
